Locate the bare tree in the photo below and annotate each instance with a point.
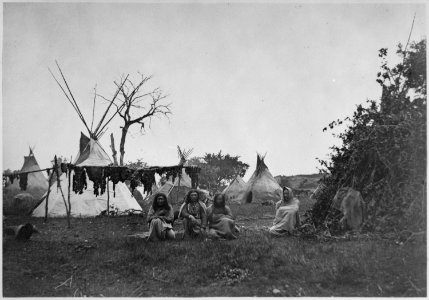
(138, 107)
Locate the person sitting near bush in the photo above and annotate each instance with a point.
(220, 220)
(287, 216)
(160, 218)
(194, 213)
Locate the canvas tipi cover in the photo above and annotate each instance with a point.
(235, 190)
(37, 184)
(87, 204)
(262, 187)
(91, 154)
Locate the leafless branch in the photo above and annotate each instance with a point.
(118, 111)
(140, 97)
(100, 124)
(131, 83)
(136, 107)
(108, 100)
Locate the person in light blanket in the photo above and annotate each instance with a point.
(287, 216)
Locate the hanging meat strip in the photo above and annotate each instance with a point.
(23, 178)
(79, 180)
(12, 177)
(147, 178)
(95, 174)
(134, 182)
(173, 172)
(193, 173)
(115, 177)
(64, 168)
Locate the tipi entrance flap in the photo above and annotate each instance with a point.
(91, 153)
(83, 152)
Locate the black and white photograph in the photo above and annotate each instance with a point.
(214, 149)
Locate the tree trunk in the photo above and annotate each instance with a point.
(112, 146)
(122, 146)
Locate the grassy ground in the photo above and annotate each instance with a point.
(95, 258)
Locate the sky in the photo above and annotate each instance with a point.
(242, 78)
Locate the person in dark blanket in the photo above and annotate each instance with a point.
(194, 214)
(160, 218)
(220, 220)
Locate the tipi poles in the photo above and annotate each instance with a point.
(73, 103)
(100, 124)
(47, 196)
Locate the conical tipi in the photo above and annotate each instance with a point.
(235, 190)
(87, 204)
(37, 184)
(91, 154)
(261, 187)
(176, 190)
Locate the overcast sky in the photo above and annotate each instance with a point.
(241, 78)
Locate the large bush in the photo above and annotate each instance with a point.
(383, 150)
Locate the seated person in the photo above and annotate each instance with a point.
(194, 213)
(160, 218)
(220, 219)
(286, 214)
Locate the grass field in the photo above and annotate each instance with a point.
(95, 258)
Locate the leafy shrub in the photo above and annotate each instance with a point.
(383, 151)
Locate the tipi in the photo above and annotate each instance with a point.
(235, 190)
(261, 187)
(87, 204)
(37, 184)
(91, 154)
(177, 190)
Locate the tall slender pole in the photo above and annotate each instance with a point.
(71, 159)
(178, 188)
(61, 190)
(108, 196)
(47, 196)
(68, 195)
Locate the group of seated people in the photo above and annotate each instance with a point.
(216, 221)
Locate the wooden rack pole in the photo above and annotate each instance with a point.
(178, 188)
(62, 194)
(47, 196)
(68, 196)
(108, 197)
